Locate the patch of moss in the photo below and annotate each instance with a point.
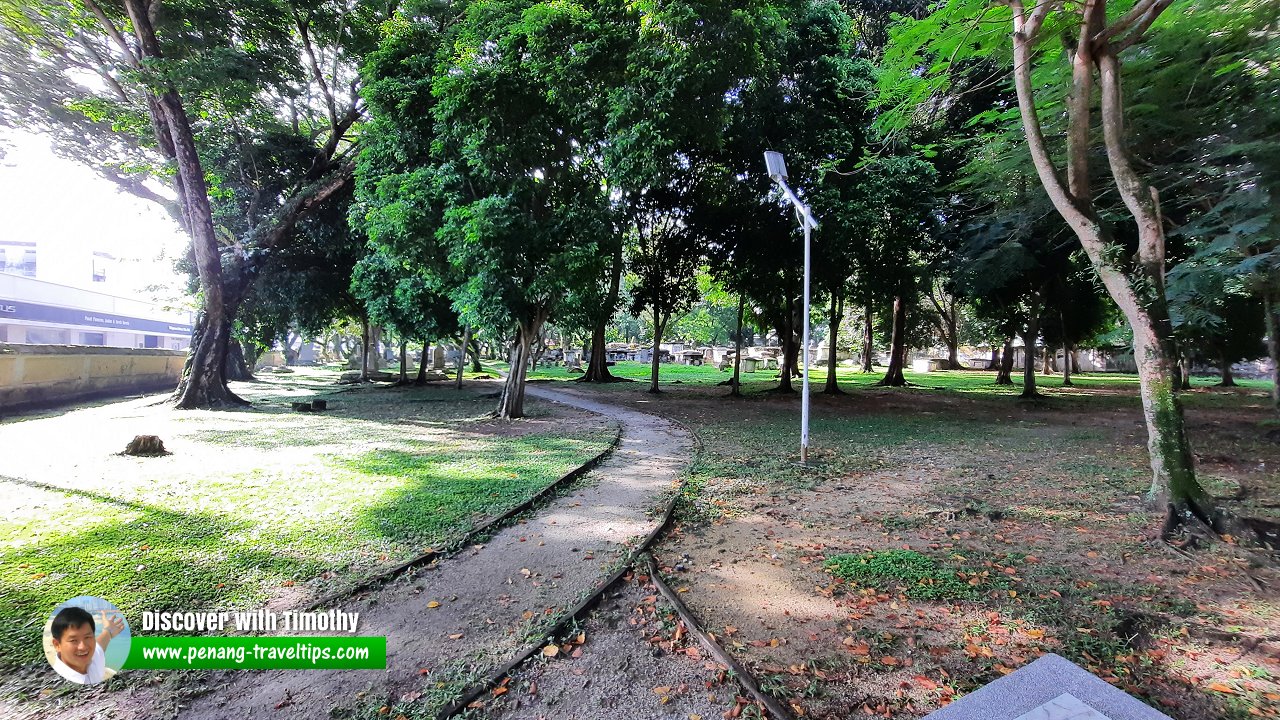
(917, 575)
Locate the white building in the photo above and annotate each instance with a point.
(37, 312)
(81, 262)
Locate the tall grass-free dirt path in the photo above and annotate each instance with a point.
(473, 611)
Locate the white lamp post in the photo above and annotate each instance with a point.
(778, 171)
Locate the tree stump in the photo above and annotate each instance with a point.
(145, 446)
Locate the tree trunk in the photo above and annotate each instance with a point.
(422, 364)
(291, 355)
(237, 366)
(374, 354)
(1228, 380)
(204, 381)
(1174, 484)
(1137, 288)
(511, 404)
(659, 325)
(953, 339)
(837, 314)
(1183, 377)
(994, 363)
(1005, 375)
(784, 364)
(404, 362)
(868, 340)
(897, 346)
(462, 353)
(1066, 366)
(1029, 359)
(1271, 313)
(364, 349)
(598, 367)
(737, 351)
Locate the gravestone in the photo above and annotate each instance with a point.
(1051, 688)
(437, 357)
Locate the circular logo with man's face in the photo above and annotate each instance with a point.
(86, 639)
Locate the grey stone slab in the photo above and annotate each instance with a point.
(1064, 707)
(1018, 695)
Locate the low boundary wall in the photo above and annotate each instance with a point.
(43, 375)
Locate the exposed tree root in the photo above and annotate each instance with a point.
(603, 381)
(1191, 526)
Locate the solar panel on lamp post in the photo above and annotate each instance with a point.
(777, 167)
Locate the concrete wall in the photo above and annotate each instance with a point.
(38, 375)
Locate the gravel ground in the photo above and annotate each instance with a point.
(627, 667)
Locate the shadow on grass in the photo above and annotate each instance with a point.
(445, 494)
(146, 558)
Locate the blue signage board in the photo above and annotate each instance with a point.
(36, 312)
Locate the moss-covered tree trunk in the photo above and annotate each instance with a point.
(1134, 280)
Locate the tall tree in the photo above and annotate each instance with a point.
(665, 255)
(1079, 77)
(198, 88)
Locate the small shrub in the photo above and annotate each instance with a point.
(919, 576)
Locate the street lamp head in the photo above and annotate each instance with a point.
(777, 166)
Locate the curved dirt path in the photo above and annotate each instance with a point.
(489, 595)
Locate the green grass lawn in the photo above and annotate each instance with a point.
(959, 381)
(257, 505)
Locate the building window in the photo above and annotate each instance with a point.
(150, 341)
(18, 258)
(92, 338)
(42, 336)
(100, 260)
